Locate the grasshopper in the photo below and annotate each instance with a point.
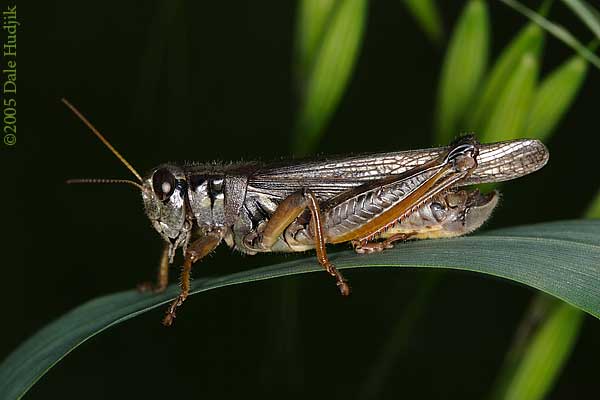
(371, 201)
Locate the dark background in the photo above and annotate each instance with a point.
(184, 80)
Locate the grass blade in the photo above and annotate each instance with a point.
(509, 115)
(463, 68)
(559, 258)
(428, 16)
(328, 73)
(554, 97)
(555, 30)
(588, 14)
(529, 41)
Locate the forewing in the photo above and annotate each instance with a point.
(497, 162)
(329, 177)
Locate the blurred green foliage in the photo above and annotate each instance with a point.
(554, 96)
(427, 14)
(329, 38)
(463, 69)
(558, 31)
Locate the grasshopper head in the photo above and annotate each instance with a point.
(164, 194)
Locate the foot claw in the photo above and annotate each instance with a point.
(170, 314)
(168, 319)
(344, 287)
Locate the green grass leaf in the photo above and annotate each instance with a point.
(529, 41)
(554, 97)
(588, 14)
(463, 69)
(555, 30)
(330, 58)
(428, 16)
(559, 258)
(508, 117)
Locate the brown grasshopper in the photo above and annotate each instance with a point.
(371, 201)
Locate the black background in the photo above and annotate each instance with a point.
(184, 80)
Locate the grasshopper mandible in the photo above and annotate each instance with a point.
(371, 201)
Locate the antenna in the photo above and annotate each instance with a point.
(107, 144)
(102, 180)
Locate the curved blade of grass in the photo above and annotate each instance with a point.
(463, 68)
(428, 16)
(559, 258)
(554, 97)
(329, 71)
(509, 115)
(588, 14)
(529, 41)
(555, 30)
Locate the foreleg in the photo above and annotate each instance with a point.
(195, 251)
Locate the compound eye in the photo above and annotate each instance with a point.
(163, 183)
(438, 211)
